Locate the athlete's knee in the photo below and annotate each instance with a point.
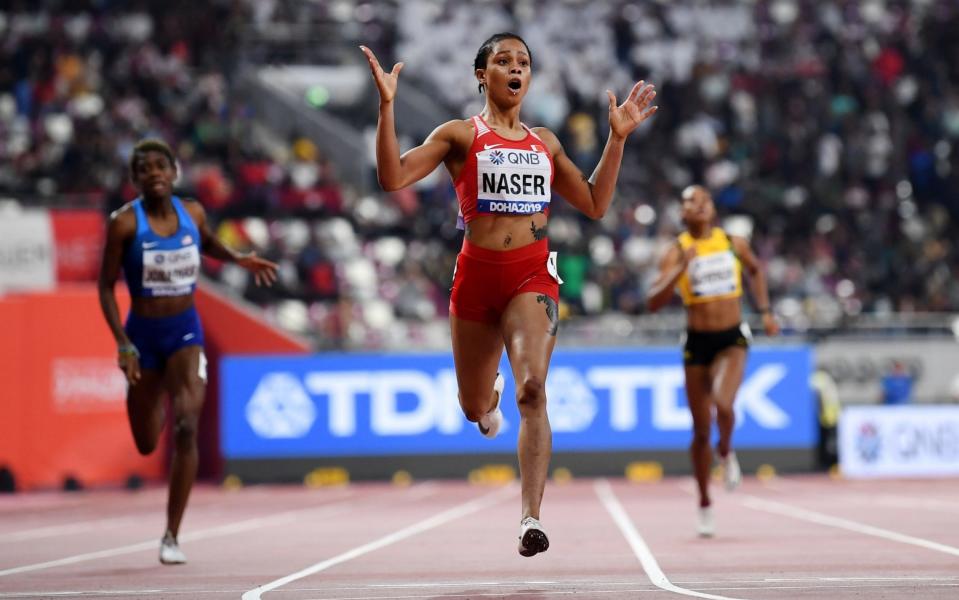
(701, 435)
(531, 394)
(472, 413)
(145, 444)
(185, 429)
(472, 407)
(724, 412)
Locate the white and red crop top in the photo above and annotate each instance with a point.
(504, 177)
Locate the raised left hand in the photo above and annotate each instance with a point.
(264, 271)
(637, 107)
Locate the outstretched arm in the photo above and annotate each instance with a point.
(592, 195)
(264, 271)
(671, 267)
(757, 283)
(393, 171)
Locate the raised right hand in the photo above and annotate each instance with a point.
(385, 82)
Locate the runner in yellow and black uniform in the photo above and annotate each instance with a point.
(705, 267)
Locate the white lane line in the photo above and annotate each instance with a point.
(896, 501)
(878, 586)
(512, 594)
(202, 534)
(812, 516)
(892, 501)
(542, 594)
(636, 542)
(435, 521)
(75, 593)
(91, 525)
(870, 582)
(422, 490)
(66, 529)
(687, 486)
(904, 579)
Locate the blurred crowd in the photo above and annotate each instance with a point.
(826, 132)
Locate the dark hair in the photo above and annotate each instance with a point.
(150, 145)
(482, 55)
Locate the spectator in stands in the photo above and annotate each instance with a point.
(897, 384)
(849, 168)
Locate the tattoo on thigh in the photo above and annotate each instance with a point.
(552, 312)
(508, 240)
(538, 234)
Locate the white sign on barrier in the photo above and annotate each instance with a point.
(858, 366)
(899, 441)
(26, 251)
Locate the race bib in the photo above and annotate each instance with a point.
(552, 269)
(511, 181)
(171, 272)
(713, 275)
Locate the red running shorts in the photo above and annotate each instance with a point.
(486, 280)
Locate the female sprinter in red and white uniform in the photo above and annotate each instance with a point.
(505, 287)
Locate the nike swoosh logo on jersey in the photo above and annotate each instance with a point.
(491, 146)
(149, 245)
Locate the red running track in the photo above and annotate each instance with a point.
(803, 537)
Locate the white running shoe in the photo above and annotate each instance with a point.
(732, 474)
(532, 538)
(704, 523)
(170, 553)
(490, 424)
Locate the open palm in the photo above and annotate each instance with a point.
(385, 82)
(264, 271)
(637, 107)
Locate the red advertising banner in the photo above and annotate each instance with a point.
(78, 241)
(63, 398)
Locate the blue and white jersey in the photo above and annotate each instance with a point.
(155, 265)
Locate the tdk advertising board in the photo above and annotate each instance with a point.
(394, 404)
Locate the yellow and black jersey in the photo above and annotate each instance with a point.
(715, 273)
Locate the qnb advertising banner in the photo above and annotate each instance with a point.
(363, 405)
(899, 441)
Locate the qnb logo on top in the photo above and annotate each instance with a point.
(497, 157)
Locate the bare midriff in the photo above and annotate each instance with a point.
(717, 315)
(155, 308)
(506, 232)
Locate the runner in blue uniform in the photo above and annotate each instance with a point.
(156, 240)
